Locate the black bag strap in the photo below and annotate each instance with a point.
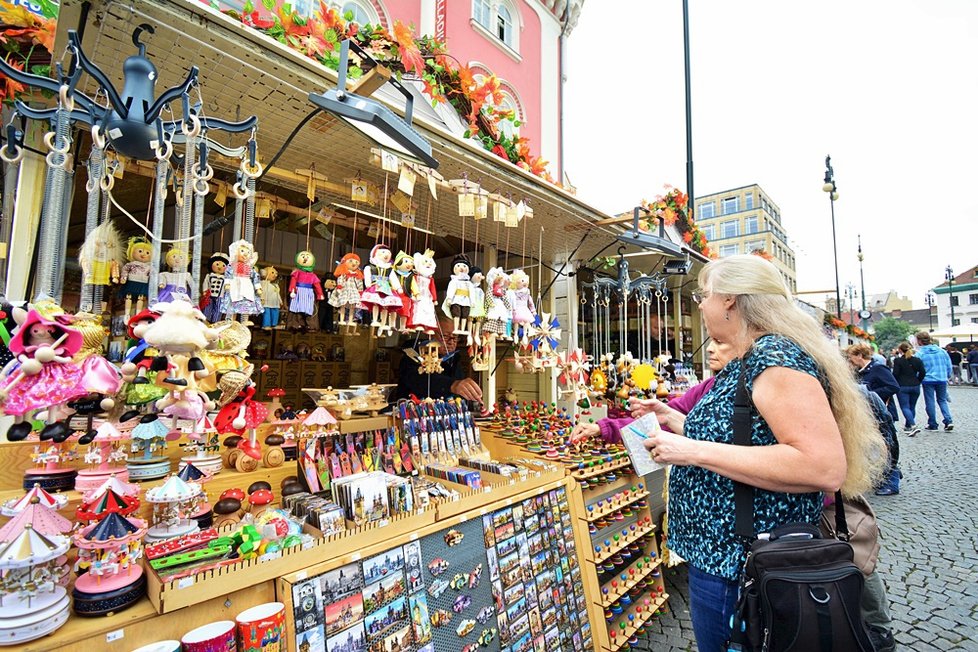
(743, 493)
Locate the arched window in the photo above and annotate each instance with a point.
(482, 12)
(504, 25)
(509, 103)
(501, 19)
(359, 13)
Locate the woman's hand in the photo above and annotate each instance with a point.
(584, 431)
(667, 448)
(665, 415)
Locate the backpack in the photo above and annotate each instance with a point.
(798, 591)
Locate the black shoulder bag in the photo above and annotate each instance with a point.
(798, 591)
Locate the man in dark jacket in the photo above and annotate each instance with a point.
(875, 376)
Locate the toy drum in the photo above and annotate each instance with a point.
(262, 628)
(213, 637)
(160, 646)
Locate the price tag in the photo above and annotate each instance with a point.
(405, 183)
(388, 161)
(184, 582)
(115, 635)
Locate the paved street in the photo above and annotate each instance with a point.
(929, 556)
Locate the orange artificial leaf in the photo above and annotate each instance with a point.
(16, 16)
(411, 57)
(46, 33)
(466, 79)
(11, 88)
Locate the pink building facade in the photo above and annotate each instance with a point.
(520, 41)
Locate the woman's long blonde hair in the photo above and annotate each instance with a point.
(767, 307)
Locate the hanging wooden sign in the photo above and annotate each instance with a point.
(466, 205)
(481, 207)
(406, 180)
(359, 192)
(389, 162)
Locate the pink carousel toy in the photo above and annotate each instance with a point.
(110, 577)
(109, 499)
(191, 473)
(33, 600)
(48, 470)
(174, 503)
(40, 517)
(205, 448)
(15, 506)
(107, 454)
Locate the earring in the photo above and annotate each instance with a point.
(726, 316)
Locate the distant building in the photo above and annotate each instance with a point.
(963, 295)
(743, 220)
(922, 320)
(888, 302)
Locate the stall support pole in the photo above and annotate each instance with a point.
(27, 215)
(677, 312)
(490, 259)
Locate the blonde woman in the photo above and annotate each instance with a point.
(803, 443)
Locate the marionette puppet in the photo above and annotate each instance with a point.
(521, 300)
(100, 255)
(271, 296)
(304, 290)
(423, 295)
(100, 378)
(349, 287)
(42, 377)
(242, 286)
(499, 312)
(458, 296)
(213, 286)
(477, 295)
(326, 309)
(135, 273)
(175, 283)
(402, 277)
(377, 292)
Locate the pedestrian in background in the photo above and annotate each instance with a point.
(909, 373)
(956, 359)
(937, 365)
(874, 375)
(973, 364)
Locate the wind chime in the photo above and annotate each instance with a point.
(129, 125)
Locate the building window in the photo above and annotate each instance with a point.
(482, 12)
(707, 210)
(504, 26)
(750, 224)
(974, 320)
(500, 18)
(954, 301)
(731, 205)
(754, 245)
(957, 322)
(708, 231)
(730, 229)
(748, 201)
(729, 250)
(973, 299)
(360, 12)
(509, 104)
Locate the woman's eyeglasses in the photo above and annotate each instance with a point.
(699, 296)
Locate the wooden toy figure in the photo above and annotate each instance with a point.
(241, 413)
(304, 290)
(423, 294)
(477, 314)
(458, 296)
(499, 315)
(175, 283)
(135, 273)
(402, 277)
(42, 377)
(349, 285)
(521, 299)
(377, 292)
(100, 378)
(271, 296)
(242, 287)
(100, 255)
(213, 287)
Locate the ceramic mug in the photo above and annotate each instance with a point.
(262, 628)
(160, 646)
(213, 637)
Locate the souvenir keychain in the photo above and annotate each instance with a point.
(242, 287)
(304, 290)
(423, 295)
(349, 285)
(271, 296)
(458, 299)
(377, 293)
(213, 287)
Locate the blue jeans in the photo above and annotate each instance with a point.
(270, 318)
(891, 407)
(711, 603)
(908, 403)
(938, 390)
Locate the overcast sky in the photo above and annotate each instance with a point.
(888, 88)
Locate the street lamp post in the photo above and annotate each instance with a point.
(929, 298)
(850, 291)
(862, 285)
(949, 275)
(830, 187)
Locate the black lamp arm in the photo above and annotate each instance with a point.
(342, 72)
(44, 83)
(171, 94)
(75, 43)
(77, 115)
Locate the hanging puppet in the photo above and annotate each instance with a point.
(213, 287)
(521, 299)
(271, 296)
(135, 273)
(423, 295)
(242, 287)
(349, 286)
(477, 295)
(458, 296)
(42, 377)
(325, 307)
(499, 313)
(304, 290)
(175, 283)
(402, 277)
(377, 292)
(100, 255)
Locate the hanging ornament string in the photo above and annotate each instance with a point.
(540, 269)
(383, 213)
(523, 253)
(311, 196)
(427, 226)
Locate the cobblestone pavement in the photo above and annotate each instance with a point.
(929, 556)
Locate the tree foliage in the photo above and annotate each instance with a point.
(890, 332)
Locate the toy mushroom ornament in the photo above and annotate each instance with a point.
(259, 500)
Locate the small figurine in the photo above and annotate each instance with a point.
(402, 277)
(325, 307)
(524, 312)
(423, 296)
(304, 290)
(377, 292)
(43, 376)
(477, 314)
(242, 287)
(271, 296)
(240, 413)
(100, 255)
(499, 315)
(135, 273)
(349, 285)
(99, 376)
(175, 283)
(213, 287)
(458, 299)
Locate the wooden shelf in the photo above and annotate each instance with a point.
(622, 635)
(626, 585)
(611, 551)
(597, 515)
(614, 465)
